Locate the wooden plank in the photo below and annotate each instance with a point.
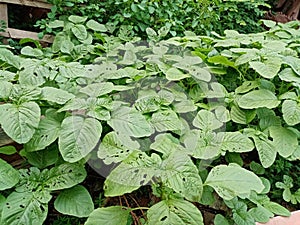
(19, 34)
(33, 3)
(3, 13)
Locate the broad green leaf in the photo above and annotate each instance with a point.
(184, 106)
(99, 113)
(261, 214)
(129, 58)
(189, 60)
(267, 185)
(33, 76)
(257, 99)
(293, 62)
(241, 116)
(277, 209)
(8, 150)
(247, 86)
(289, 95)
(56, 24)
(19, 121)
(199, 73)
(180, 173)
(116, 147)
(98, 89)
(269, 23)
(233, 157)
(245, 58)
(267, 69)
(78, 137)
(162, 50)
(216, 90)
(43, 158)
(46, 133)
(56, 95)
(165, 97)
(80, 31)
(174, 74)
(64, 176)
(8, 57)
(113, 73)
(289, 75)
(88, 41)
(233, 33)
(206, 120)
(202, 145)
(29, 51)
(66, 46)
(75, 201)
(174, 211)
(219, 59)
(148, 103)
(94, 25)
(166, 144)
(266, 150)
(131, 122)
(208, 197)
(235, 142)
(6, 75)
(57, 42)
(227, 43)
(77, 19)
(222, 114)
(220, 220)
(24, 93)
(166, 120)
(295, 155)
(232, 180)
(291, 112)
(267, 118)
(109, 216)
(74, 104)
(31, 179)
(2, 203)
(257, 168)
(241, 216)
(274, 46)
(9, 177)
(136, 170)
(23, 208)
(285, 140)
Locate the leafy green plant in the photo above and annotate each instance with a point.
(28, 203)
(155, 112)
(129, 18)
(242, 16)
(2, 25)
(287, 195)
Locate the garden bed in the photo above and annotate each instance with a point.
(190, 129)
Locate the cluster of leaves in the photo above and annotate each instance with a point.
(2, 25)
(132, 18)
(154, 112)
(242, 15)
(284, 181)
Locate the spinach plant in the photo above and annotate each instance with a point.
(129, 18)
(154, 112)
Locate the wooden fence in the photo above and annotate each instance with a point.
(19, 34)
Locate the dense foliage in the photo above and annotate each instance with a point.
(128, 18)
(177, 115)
